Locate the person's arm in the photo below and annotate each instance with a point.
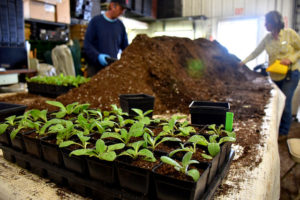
(256, 52)
(295, 42)
(124, 43)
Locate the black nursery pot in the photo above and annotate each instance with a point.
(205, 112)
(8, 109)
(18, 143)
(51, 151)
(141, 101)
(32, 145)
(224, 154)
(5, 139)
(76, 164)
(170, 188)
(134, 178)
(101, 170)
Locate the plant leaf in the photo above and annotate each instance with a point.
(170, 161)
(100, 146)
(194, 173)
(227, 139)
(213, 149)
(66, 143)
(148, 155)
(115, 147)
(186, 158)
(81, 152)
(3, 128)
(108, 156)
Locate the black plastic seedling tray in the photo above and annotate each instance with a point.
(88, 187)
(47, 89)
(141, 101)
(8, 109)
(205, 112)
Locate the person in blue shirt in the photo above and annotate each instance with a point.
(105, 37)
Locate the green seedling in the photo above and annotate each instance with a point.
(135, 152)
(213, 146)
(184, 166)
(185, 130)
(69, 109)
(170, 127)
(219, 130)
(117, 111)
(142, 115)
(183, 148)
(102, 151)
(83, 139)
(38, 114)
(152, 143)
(136, 130)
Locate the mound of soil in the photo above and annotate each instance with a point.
(159, 67)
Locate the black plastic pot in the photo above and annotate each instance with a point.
(18, 143)
(141, 101)
(8, 109)
(5, 139)
(33, 145)
(51, 151)
(170, 188)
(101, 170)
(134, 178)
(204, 112)
(8, 155)
(76, 164)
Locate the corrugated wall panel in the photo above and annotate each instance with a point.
(250, 7)
(227, 9)
(217, 8)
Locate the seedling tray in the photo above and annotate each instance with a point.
(205, 112)
(141, 101)
(47, 89)
(88, 187)
(8, 109)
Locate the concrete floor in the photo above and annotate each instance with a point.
(289, 169)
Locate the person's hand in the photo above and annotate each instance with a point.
(285, 61)
(102, 59)
(241, 64)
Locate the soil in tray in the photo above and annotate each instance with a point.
(169, 170)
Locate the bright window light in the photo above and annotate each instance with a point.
(240, 37)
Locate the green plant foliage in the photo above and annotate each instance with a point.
(69, 109)
(142, 116)
(59, 80)
(135, 152)
(3, 128)
(102, 151)
(152, 143)
(136, 130)
(183, 167)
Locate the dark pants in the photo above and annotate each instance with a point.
(288, 87)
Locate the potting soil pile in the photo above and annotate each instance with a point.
(177, 71)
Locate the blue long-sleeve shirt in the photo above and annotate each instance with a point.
(103, 36)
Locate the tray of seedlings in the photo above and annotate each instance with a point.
(111, 155)
(53, 86)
